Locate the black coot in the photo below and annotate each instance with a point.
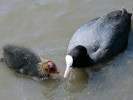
(98, 40)
(23, 61)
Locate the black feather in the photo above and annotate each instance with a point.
(21, 60)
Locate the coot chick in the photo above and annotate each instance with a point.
(23, 61)
(98, 40)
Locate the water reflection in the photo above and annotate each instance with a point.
(52, 84)
(130, 40)
(77, 80)
(48, 26)
(128, 52)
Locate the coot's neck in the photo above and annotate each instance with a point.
(80, 56)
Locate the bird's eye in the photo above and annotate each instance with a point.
(51, 67)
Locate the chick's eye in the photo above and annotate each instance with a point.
(51, 67)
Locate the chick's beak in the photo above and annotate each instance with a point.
(57, 72)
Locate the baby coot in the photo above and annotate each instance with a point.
(98, 40)
(23, 61)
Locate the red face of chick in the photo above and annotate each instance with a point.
(53, 68)
(48, 67)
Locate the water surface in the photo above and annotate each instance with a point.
(46, 27)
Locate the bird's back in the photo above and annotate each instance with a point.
(103, 37)
(21, 59)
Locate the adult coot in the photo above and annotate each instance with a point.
(23, 61)
(98, 40)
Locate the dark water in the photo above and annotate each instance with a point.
(46, 26)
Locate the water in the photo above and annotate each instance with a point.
(46, 26)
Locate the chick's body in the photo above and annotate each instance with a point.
(21, 60)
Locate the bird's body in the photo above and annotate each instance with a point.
(23, 61)
(99, 39)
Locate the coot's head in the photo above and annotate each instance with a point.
(77, 57)
(46, 68)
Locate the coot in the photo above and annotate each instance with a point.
(98, 40)
(23, 61)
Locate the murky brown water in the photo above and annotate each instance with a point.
(46, 26)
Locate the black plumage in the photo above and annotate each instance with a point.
(21, 60)
(98, 40)
(102, 38)
(24, 61)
